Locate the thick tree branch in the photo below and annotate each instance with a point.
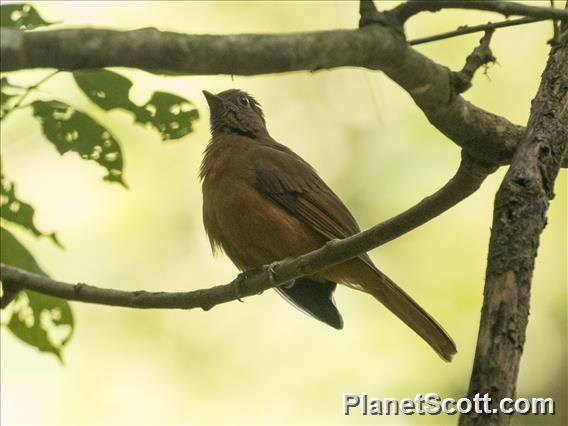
(466, 181)
(485, 136)
(506, 8)
(519, 218)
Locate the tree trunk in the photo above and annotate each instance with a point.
(519, 218)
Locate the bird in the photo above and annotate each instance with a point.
(263, 203)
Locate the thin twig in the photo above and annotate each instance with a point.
(480, 56)
(368, 13)
(475, 29)
(406, 10)
(28, 90)
(466, 181)
(555, 29)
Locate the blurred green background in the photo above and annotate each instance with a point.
(261, 361)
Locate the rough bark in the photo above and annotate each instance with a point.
(519, 218)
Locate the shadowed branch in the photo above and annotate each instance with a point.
(465, 182)
(480, 56)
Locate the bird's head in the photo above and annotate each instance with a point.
(237, 112)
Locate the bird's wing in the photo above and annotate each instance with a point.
(286, 179)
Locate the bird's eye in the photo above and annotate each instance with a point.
(244, 101)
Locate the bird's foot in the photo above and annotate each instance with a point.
(288, 284)
(238, 282)
(271, 269)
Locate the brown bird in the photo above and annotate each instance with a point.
(263, 203)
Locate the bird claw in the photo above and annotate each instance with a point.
(238, 289)
(271, 269)
(289, 284)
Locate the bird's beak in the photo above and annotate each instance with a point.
(214, 101)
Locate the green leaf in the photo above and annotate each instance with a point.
(21, 16)
(106, 89)
(17, 211)
(5, 83)
(41, 321)
(171, 115)
(4, 101)
(72, 130)
(15, 254)
(5, 97)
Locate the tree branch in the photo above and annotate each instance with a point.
(519, 218)
(506, 8)
(487, 137)
(480, 56)
(475, 29)
(465, 182)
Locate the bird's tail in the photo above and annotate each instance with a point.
(405, 308)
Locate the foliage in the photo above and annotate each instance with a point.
(42, 321)
(17, 211)
(21, 16)
(72, 130)
(5, 97)
(38, 320)
(171, 115)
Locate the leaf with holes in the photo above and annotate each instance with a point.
(16, 211)
(4, 103)
(108, 90)
(41, 321)
(171, 115)
(72, 130)
(15, 254)
(6, 98)
(21, 16)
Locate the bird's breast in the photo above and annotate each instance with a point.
(248, 227)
